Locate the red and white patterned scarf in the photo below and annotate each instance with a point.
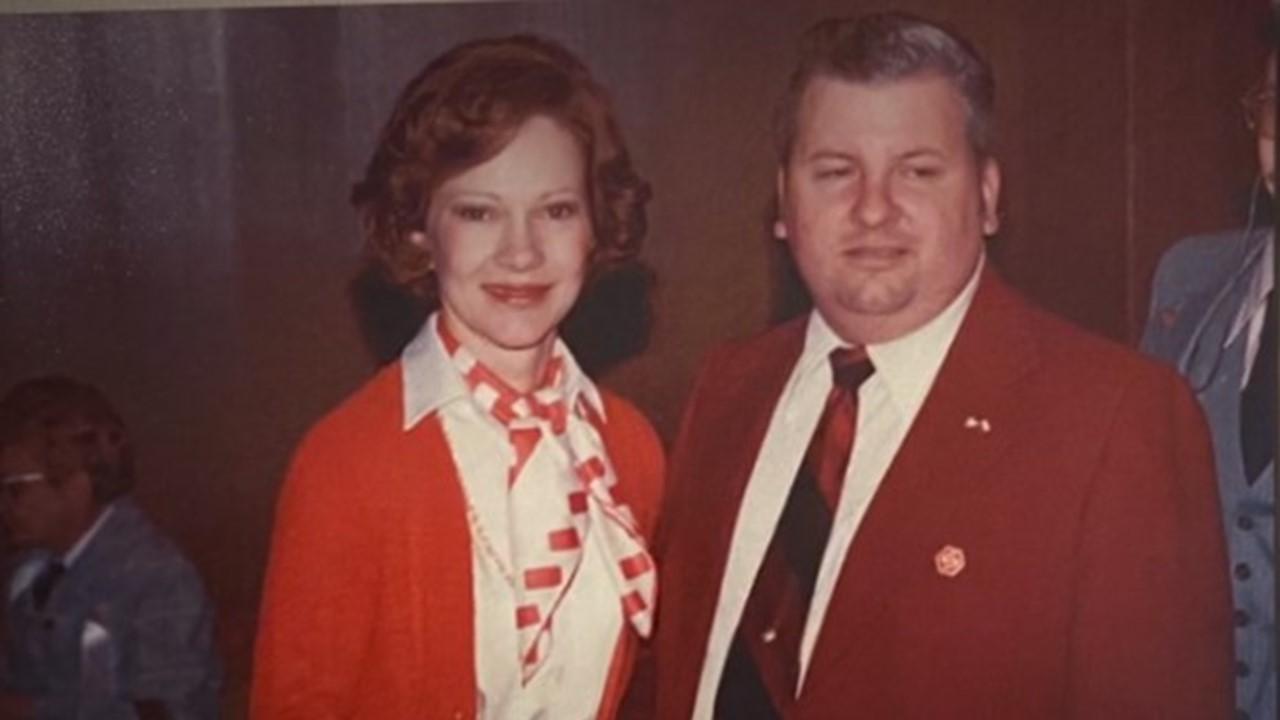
(559, 489)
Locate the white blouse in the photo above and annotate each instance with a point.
(589, 621)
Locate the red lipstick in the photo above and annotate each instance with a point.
(517, 294)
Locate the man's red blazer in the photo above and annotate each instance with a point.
(1094, 583)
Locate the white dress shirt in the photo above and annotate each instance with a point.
(588, 622)
(70, 556)
(888, 402)
(1252, 311)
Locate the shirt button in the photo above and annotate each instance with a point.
(769, 635)
(1241, 618)
(1242, 670)
(1244, 522)
(1243, 571)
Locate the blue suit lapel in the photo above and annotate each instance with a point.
(1206, 319)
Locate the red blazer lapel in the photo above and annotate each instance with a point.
(969, 413)
(966, 422)
(712, 460)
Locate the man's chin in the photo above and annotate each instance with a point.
(876, 301)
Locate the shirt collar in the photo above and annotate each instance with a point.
(908, 364)
(1261, 282)
(432, 381)
(69, 557)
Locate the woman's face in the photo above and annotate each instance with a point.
(510, 239)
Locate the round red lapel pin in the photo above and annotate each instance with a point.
(949, 561)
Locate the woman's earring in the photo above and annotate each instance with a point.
(991, 223)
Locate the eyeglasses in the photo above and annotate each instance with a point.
(14, 486)
(1260, 110)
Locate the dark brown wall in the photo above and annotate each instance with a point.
(174, 226)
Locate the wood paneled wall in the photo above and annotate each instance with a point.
(174, 223)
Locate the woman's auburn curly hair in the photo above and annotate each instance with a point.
(462, 110)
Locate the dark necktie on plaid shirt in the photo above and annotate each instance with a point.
(42, 586)
(763, 666)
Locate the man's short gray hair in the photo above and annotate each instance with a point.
(884, 47)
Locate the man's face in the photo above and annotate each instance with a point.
(885, 204)
(36, 512)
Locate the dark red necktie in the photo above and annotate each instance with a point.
(763, 666)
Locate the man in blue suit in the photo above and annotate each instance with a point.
(104, 617)
(1213, 315)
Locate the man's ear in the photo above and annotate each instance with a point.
(989, 183)
(77, 490)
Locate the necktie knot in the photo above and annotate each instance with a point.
(850, 367)
(554, 411)
(44, 583)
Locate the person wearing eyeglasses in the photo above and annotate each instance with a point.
(104, 617)
(1213, 315)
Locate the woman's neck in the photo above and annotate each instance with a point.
(521, 368)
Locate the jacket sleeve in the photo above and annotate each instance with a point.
(1151, 637)
(170, 658)
(316, 607)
